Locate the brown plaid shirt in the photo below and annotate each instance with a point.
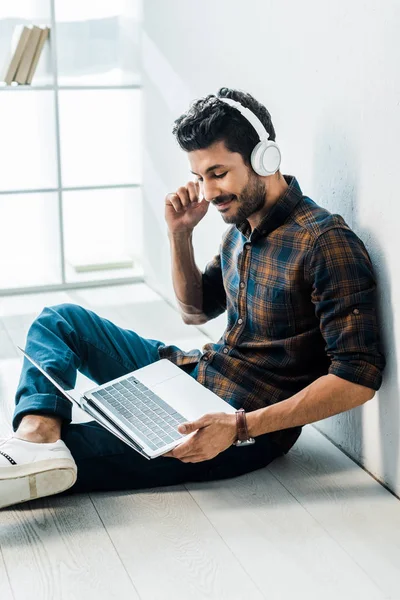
(299, 292)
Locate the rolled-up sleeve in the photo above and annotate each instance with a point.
(214, 296)
(344, 295)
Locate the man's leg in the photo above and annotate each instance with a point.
(68, 338)
(105, 463)
(79, 339)
(63, 339)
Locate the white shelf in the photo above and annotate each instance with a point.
(26, 88)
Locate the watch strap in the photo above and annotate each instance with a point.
(241, 424)
(242, 431)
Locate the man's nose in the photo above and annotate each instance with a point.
(210, 191)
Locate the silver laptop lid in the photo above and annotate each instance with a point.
(70, 394)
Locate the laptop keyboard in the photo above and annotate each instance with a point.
(150, 418)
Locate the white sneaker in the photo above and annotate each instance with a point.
(29, 470)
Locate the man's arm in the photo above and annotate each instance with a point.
(183, 211)
(186, 278)
(327, 396)
(201, 296)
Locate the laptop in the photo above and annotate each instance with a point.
(144, 408)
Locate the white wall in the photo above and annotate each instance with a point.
(329, 74)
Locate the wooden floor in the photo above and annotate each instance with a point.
(313, 525)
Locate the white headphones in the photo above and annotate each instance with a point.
(266, 156)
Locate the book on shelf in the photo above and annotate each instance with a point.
(44, 34)
(28, 55)
(27, 46)
(24, 34)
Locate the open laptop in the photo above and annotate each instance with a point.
(145, 407)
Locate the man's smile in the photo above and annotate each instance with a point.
(224, 204)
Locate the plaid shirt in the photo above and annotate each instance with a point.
(299, 292)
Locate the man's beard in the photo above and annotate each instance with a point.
(251, 200)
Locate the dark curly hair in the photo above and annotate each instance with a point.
(208, 120)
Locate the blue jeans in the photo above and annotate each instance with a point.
(67, 338)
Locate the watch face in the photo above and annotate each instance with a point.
(245, 442)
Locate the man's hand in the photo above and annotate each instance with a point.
(184, 209)
(214, 433)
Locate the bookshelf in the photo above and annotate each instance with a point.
(70, 192)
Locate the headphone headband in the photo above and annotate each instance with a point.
(265, 158)
(250, 116)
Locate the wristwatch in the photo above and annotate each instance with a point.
(243, 438)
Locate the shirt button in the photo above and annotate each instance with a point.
(242, 284)
(356, 311)
(240, 321)
(225, 350)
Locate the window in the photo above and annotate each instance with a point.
(70, 147)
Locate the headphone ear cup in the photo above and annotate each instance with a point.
(255, 158)
(266, 158)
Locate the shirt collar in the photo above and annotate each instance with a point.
(278, 213)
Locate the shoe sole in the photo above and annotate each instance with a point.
(36, 480)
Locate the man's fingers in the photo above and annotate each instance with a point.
(175, 201)
(189, 427)
(183, 194)
(192, 191)
(198, 190)
(180, 453)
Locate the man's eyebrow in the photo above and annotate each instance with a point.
(209, 169)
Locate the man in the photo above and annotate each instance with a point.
(301, 342)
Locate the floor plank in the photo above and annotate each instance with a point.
(349, 504)
(156, 321)
(18, 312)
(169, 535)
(284, 549)
(23, 304)
(58, 548)
(7, 347)
(5, 586)
(9, 376)
(115, 295)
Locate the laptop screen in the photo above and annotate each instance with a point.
(55, 380)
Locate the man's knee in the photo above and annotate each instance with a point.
(67, 311)
(57, 318)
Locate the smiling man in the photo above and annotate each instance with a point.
(301, 342)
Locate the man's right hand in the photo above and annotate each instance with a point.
(184, 209)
